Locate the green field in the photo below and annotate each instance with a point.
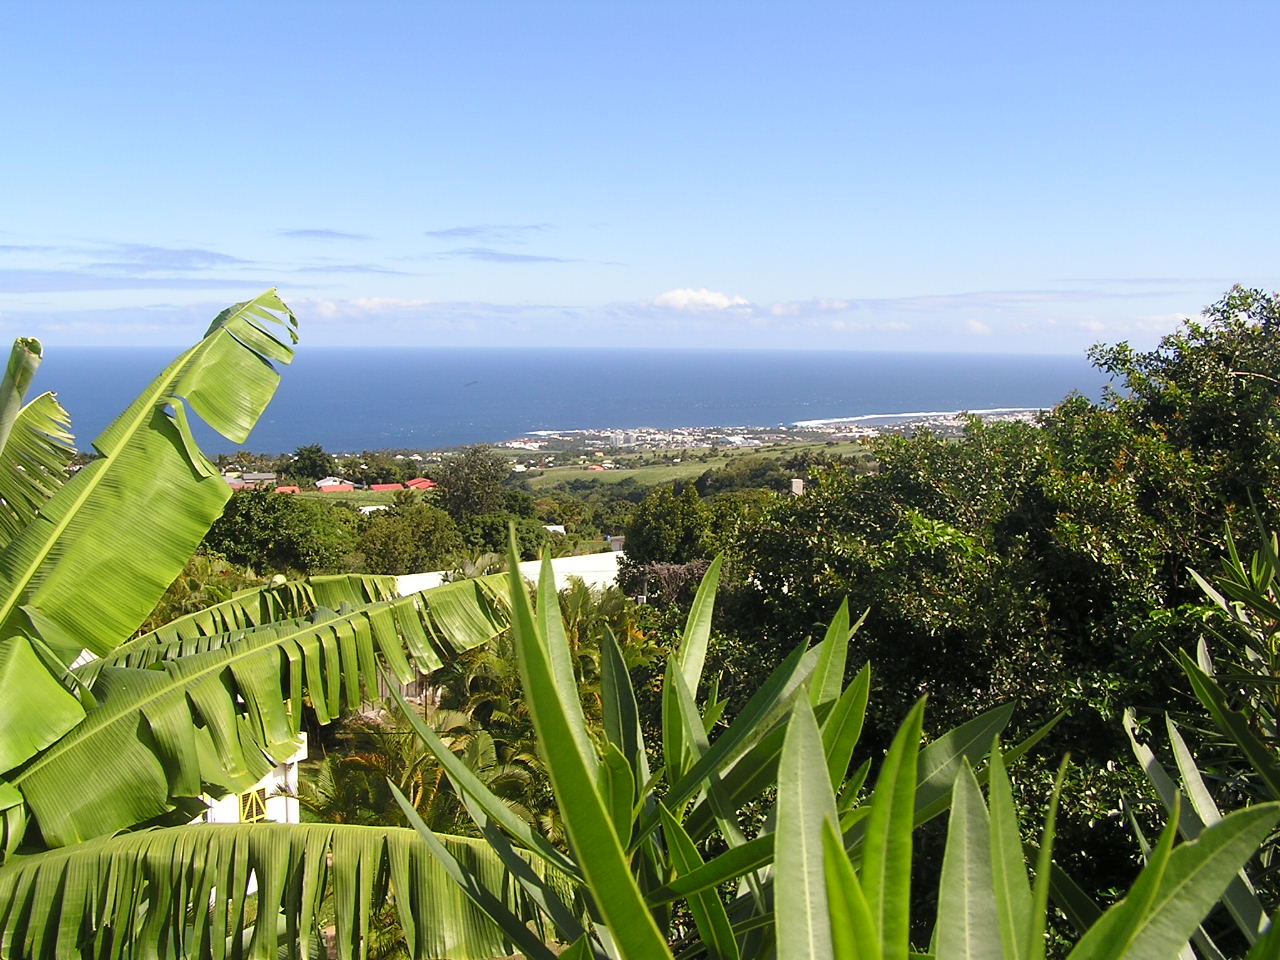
(357, 498)
(693, 463)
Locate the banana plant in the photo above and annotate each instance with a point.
(108, 741)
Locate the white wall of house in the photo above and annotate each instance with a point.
(595, 569)
(278, 785)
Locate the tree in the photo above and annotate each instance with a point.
(409, 537)
(1043, 564)
(92, 752)
(1213, 389)
(488, 532)
(311, 462)
(277, 533)
(668, 527)
(471, 483)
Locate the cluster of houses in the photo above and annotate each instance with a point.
(269, 481)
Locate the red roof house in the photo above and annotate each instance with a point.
(386, 486)
(421, 483)
(338, 488)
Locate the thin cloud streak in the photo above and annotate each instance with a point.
(323, 234)
(489, 255)
(488, 231)
(141, 258)
(76, 281)
(358, 268)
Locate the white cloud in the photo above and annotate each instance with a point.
(978, 327)
(700, 300)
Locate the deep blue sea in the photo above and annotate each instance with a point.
(350, 400)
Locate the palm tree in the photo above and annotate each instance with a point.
(383, 749)
(108, 743)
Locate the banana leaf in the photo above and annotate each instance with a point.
(99, 554)
(188, 891)
(213, 716)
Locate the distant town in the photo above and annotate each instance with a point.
(950, 423)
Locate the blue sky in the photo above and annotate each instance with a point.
(1024, 177)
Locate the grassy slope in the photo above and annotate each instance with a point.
(691, 464)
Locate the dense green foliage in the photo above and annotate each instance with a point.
(311, 462)
(473, 482)
(275, 533)
(409, 537)
(839, 881)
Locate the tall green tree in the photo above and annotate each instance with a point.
(1044, 564)
(1213, 389)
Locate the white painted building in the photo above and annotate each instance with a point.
(594, 569)
(271, 798)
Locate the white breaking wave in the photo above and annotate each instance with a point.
(910, 416)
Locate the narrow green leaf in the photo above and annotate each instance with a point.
(753, 722)
(561, 658)
(1038, 916)
(677, 753)
(618, 787)
(940, 761)
(621, 714)
(512, 925)
(1184, 891)
(853, 934)
(603, 862)
(968, 926)
(466, 782)
(1111, 936)
(697, 629)
(1009, 869)
(551, 901)
(886, 857)
(1190, 822)
(828, 675)
(843, 726)
(1068, 896)
(1233, 724)
(805, 803)
(708, 911)
(730, 865)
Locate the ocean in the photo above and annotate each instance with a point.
(349, 400)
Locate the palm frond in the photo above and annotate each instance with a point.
(189, 891)
(100, 553)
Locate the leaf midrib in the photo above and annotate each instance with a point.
(71, 740)
(95, 479)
